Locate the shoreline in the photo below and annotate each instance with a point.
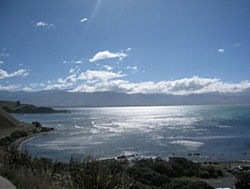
(18, 144)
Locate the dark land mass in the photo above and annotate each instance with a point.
(17, 107)
(64, 98)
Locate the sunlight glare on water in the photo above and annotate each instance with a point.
(215, 132)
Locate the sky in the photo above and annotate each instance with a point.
(132, 46)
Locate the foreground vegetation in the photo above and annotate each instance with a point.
(177, 173)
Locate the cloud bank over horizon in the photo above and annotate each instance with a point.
(106, 80)
(185, 86)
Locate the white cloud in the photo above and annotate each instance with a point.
(75, 70)
(133, 68)
(128, 49)
(44, 24)
(84, 20)
(80, 61)
(57, 86)
(33, 87)
(221, 50)
(108, 68)
(88, 77)
(107, 55)
(65, 83)
(4, 74)
(41, 24)
(93, 75)
(71, 70)
(1, 62)
(98, 81)
(8, 87)
(186, 86)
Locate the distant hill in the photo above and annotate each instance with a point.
(17, 107)
(64, 98)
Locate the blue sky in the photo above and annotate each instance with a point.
(150, 46)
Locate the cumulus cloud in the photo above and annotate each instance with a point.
(88, 77)
(93, 75)
(84, 20)
(44, 24)
(185, 86)
(99, 81)
(221, 50)
(1, 62)
(4, 74)
(107, 55)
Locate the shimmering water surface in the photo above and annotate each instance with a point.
(215, 132)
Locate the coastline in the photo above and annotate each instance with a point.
(17, 145)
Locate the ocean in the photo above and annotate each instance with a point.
(200, 133)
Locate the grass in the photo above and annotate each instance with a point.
(23, 170)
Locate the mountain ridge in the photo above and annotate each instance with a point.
(64, 98)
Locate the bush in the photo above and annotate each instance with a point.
(203, 174)
(6, 141)
(107, 174)
(159, 180)
(243, 180)
(19, 134)
(37, 124)
(24, 179)
(184, 184)
(163, 168)
(46, 129)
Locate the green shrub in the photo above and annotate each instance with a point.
(185, 184)
(243, 180)
(107, 174)
(46, 129)
(163, 167)
(24, 179)
(203, 174)
(159, 180)
(6, 141)
(19, 134)
(37, 124)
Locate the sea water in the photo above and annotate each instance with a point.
(201, 133)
